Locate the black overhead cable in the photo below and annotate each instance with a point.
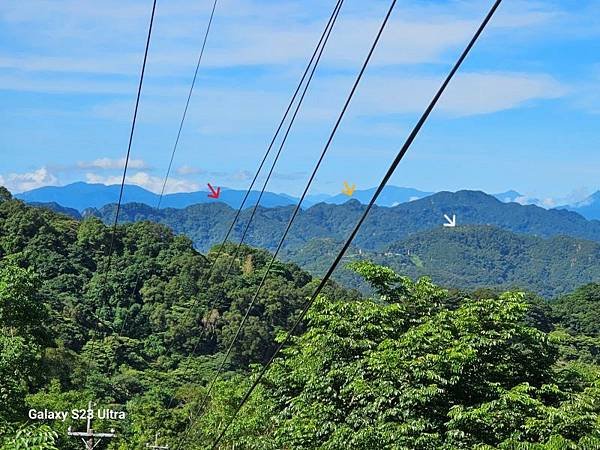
(187, 104)
(316, 54)
(307, 187)
(176, 144)
(133, 122)
(314, 62)
(272, 143)
(229, 349)
(283, 142)
(348, 242)
(321, 43)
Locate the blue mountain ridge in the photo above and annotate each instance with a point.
(588, 208)
(81, 196)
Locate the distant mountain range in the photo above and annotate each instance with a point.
(589, 208)
(80, 196)
(390, 196)
(206, 224)
(496, 243)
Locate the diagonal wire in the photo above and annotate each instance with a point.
(131, 134)
(187, 103)
(321, 43)
(256, 175)
(176, 144)
(309, 182)
(298, 106)
(133, 122)
(348, 242)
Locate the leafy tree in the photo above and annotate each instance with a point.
(579, 312)
(21, 310)
(5, 194)
(416, 366)
(402, 371)
(31, 437)
(19, 362)
(21, 335)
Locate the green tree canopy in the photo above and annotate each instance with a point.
(402, 372)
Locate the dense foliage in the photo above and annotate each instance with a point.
(414, 367)
(470, 257)
(405, 371)
(75, 328)
(521, 247)
(579, 311)
(206, 224)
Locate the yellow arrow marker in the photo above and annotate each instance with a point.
(348, 190)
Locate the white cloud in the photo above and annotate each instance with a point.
(580, 197)
(75, 39)
(112, 164)
(189, 170)
(63, 85)
(147, 181)
(246, 32)
(20, 182)
(577, 197)
(468, 94)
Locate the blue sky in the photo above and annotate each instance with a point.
(523, 114)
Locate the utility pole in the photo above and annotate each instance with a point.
(156, 446)
(90, 438)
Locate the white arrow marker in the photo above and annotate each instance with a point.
(451, 222)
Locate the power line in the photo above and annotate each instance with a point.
(283, 142)
(135, 113)
(318, 49)
(176, 144)
(126, 165)
(309, 183)
(311, 179)
(187, 103)
(408, 143)
(273, 140)
(223, 362)
(264, 159)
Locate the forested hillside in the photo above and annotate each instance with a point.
(415, 366)
(527, 247)
(471, 257)
(75, 331)
(207, 224)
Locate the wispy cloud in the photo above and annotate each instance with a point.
(19, 182)
(189, 170)
(147, 181)
(112, 164)
(469, 94)
(81, 61)
(579, 196)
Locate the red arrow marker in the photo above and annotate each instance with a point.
(213, 193)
